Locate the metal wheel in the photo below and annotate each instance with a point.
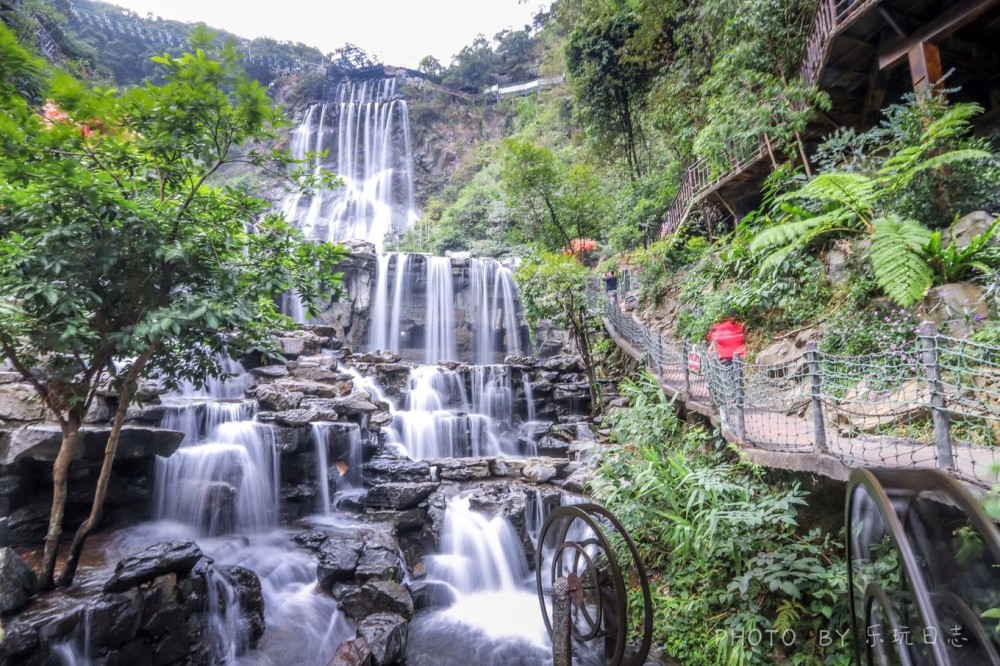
(586, 544)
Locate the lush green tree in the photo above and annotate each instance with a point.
(559, 288)
(430, 66)
(610, 87)
(515, 53)
(119, 257)
(473, 66)
(551, 202)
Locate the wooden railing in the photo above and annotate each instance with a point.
(831, 15)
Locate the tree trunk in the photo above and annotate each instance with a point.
(60, 476)
(125, 394)
(583, 343)
(802, 154)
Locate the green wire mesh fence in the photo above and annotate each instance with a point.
(932, 404)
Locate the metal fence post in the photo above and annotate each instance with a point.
(740, 417)
(685, 350)
(942, 436)
(812, 359)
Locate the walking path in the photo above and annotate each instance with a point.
(779, 425)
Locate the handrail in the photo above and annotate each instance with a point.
(831, 16)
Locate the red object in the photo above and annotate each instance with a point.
(694, 361)
(728, 336)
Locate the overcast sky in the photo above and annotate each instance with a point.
(399, 32)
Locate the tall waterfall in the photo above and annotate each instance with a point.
(366, 132)
(420, 304)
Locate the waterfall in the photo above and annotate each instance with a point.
(440, 333)
(366, 132)
(494, 303)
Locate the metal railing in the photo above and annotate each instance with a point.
(831, 16)
(934, 403)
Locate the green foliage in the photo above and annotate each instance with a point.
(951, 263)
(724, 548)
(551, 202)
(867, 200)
(114, 245)
(898, 261)
(556, 287)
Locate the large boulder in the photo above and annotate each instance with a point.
(385, 634)
(41, 443)
(17, 581)
(956, 308)
(462, 469)
(399, 495)
(378, 596)
(338, 560)
(177, 557)
(864, 409)
(966, 228)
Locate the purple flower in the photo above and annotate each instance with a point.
(979, 317)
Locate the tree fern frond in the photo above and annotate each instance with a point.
(944, 159)
(844, 188)
(773, 260)
(786, 233)
(900, 267)
(953, 122)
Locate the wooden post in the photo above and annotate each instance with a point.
(819, 427)
(685, 350)
(741, 429)
(562, 641)
(942, 436)
(925, 66)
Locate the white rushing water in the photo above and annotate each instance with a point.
(366, 131)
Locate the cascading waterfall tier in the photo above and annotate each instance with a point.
(432, 309)
(366, 131)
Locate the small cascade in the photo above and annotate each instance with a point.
(482, 576)
(478, 553)
(338, 456)
(439, 420)
(366, 131)
(494, 297)
(225, 475)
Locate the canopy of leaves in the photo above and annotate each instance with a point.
(114, 242)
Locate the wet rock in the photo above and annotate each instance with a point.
(399, 495)
(520, 361)
(552, 446)
(41, 443)
(966, 228)
(149, 413)
(354, 652)
(338, 559)
(402, 520)
(378, 596)
(270, 372)
(306, 345)
(506, 468)
(311, 540)
(17, 581)
(380, 564)
(385, 634)
(431, 594)
(539, 472)
(275, 397)
(249, 596)
(297, 418)
(386, 468)
(114, 619)
(462, 469)
(578, 480)
(169, 557)
(359, 402)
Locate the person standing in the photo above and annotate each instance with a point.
(611, 286)
(727, 338)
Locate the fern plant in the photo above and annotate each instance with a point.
(864, 203)
(951, 263)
